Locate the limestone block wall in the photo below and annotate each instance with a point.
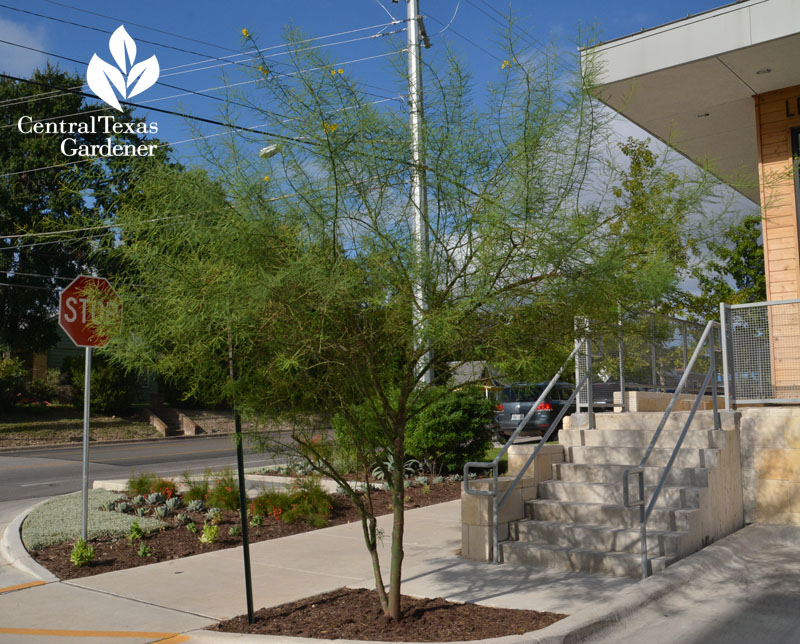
(770, 449)
(477, 537)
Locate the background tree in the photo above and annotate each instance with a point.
(733, 272)
(42, 191)
(289, 291)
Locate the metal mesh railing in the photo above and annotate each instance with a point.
(649, 353)
(764, 352)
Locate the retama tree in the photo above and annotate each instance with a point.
(289, 287)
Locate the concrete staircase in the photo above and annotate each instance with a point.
(578, 521)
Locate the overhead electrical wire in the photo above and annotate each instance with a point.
(224, 59)
(172, 143)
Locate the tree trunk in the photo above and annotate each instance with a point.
(370, 537)
(398, 525)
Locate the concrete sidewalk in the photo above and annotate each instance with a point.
(186, 594)
(169, 601)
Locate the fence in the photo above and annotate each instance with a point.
(649, 353)
(762, 352)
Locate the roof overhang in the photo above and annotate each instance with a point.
(691, 83)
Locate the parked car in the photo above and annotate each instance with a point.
(516, 400)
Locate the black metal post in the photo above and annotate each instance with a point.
(248, 582)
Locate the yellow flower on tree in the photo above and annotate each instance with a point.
(245, 33)
(266, 177)
(330, 127)
(341, 71)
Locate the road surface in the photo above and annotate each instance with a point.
(34, 473)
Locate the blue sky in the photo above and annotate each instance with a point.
(208, 31)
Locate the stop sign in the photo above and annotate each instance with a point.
(76, 311)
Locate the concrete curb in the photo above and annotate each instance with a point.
(13, 550)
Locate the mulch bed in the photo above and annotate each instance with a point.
(356, 614)
(174, 540)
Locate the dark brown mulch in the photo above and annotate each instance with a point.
(356, 614)
(174, 541)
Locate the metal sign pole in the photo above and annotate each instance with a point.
(87, 386)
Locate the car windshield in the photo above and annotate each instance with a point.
(527, 393)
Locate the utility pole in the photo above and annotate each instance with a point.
(419, 194)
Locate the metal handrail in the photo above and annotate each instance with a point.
(645, 507)
(494, 491)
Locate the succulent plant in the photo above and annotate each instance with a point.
(191, 527)
(195, 506)
(154, 499)
(472, 475)
(124, 507)
(235, 530)
(422, 480)
(438, 479)
(174, 503)
(143, 551)
(456, 477)
(162, 511)
(110, 505)
(256, 520)
(407, 483)
(137, 500)
(181, 518)
(386, 487)
(141, 511)
(214, 515)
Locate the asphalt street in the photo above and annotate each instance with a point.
(34, 473)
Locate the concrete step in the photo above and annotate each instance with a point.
(611, 493)
(637, 438)
(703, 420)
(604, 473)
(599, 538)
(631, 456)
(617, 564)
(601, 514)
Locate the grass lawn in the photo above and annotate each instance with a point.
(35, 425)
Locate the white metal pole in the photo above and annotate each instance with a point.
(419, 196)
(87, 386)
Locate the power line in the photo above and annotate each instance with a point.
(470, 41)
(170, 143)
(224, 59)
(186, 92)
(136, 24)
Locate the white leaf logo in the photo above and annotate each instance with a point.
(127, 78)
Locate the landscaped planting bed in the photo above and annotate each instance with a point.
(355, 614)
(173, 523)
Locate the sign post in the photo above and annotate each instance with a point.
(78, 312)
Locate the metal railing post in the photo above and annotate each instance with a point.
(728, 379)
(653, 370)
(589, 393)
(712, 347)
(624, 406)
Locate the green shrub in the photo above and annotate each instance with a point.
(12, 381)
(225, 491)
(235, 530)
(451, 431)
(49, 388)
(147, 484)
(191, 527)
(306, 501)
(82, 553)
(196, 489)
(113, 390)
(143, 551)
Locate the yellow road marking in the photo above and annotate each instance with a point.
(68, 633)
(9, 589)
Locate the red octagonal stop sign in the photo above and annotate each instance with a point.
(76, 312)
